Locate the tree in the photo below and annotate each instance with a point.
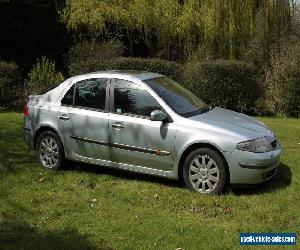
(175, 29)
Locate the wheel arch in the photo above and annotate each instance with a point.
(42, 129)
(195, 146)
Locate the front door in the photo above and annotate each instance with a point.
(135, 139)
(84, 120)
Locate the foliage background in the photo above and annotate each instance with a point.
(184, 39)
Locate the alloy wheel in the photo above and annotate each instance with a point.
(204, 174)
(48, 152)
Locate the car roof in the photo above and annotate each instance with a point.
(142, 75)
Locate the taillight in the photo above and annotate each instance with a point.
(26, 110)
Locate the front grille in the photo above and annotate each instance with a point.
(274, 144)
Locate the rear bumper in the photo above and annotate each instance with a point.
(252, 168)
(29, 138)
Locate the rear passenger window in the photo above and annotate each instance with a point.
(68, 98)
(90, 93)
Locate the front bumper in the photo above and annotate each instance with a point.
(252, 168)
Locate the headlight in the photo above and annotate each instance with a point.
(259, 145)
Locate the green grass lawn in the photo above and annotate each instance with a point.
(92, 207)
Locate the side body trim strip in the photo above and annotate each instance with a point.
(123, 146)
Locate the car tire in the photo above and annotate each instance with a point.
(50, 151)
(204, 171)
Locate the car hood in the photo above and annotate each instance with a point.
(235, 122)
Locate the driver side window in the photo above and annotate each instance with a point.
(130, 98)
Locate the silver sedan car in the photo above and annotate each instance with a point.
(147, 123)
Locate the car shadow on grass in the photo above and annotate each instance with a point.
(119, 173)
(282, 180)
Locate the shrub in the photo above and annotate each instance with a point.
(283, 83)
(283, 91)
(9, 84)
(43, 74)
(86, 56)
(168, 68)
(225, 83)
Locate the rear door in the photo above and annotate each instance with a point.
(135, 139)
(84, 119)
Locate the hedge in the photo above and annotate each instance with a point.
(229, 84)
(168, 68)
(225, 83)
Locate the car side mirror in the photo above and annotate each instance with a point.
(158, 115)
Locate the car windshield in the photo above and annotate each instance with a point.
(181, 100)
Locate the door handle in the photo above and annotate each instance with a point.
(118, 125)
(64, 117)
